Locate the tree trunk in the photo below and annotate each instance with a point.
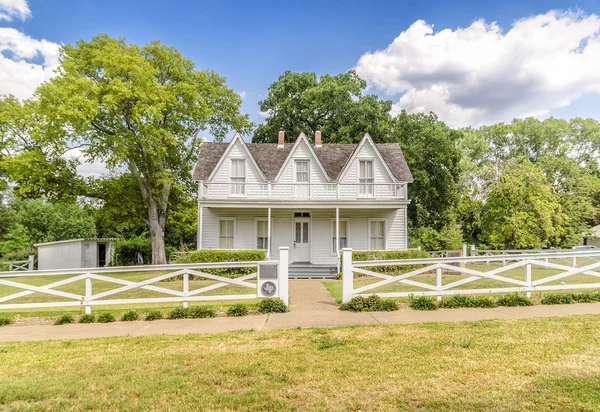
(156, 224)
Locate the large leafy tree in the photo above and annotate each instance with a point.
(335, 105)
(138, 108)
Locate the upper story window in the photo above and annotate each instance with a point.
(302, 177)
(238, 177)
(365, 178)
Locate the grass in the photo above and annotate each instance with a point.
(117, 310)
(335, 287)
(518, 365)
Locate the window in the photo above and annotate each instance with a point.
(343, 234)
(238, 176)
(226, 233)
(365, 178)
(376, 235)
(301, 214)
(262, 234)
(301, 171)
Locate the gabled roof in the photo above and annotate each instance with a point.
(270, 158)
(300, 139)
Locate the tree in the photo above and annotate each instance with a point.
(522, 211)
(335, 105)
(139, 108)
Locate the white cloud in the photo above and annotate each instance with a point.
(479, 74)
(10, 9)
(86, 168)
(264, 114)
(242, 94)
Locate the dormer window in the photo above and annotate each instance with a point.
(238, 177)
(365, 178)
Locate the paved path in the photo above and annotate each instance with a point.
(284, 321)
(308, 295)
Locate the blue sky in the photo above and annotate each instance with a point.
(252, 43)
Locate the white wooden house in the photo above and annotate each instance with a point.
(316, 199)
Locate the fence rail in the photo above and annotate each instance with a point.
(580, 263)
(19, 265)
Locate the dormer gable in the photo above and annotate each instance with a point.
(236, 150)
(366, 150)
(303, 150)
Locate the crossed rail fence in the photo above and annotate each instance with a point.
(580, 263)
(89, 298)
(18, 265)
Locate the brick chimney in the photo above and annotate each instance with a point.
(318, 139)
(281, 139)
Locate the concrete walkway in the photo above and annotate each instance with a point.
(308, 295)
(305, 319)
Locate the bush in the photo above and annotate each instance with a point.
(130, 316)
(558, 299)
(179, 313)
(467, 302)
(361, 256)
(127, 251)
(219, 255)
(196, 312)
(513, 300)
(106, 318)
(153, 315)
(272, 305)
(422, 303)
(237, 310)
(64, 319)
(5, 321)
(586, 297)
(87, 318)
(369, 304)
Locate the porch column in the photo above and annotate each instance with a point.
(337, 236)
(268, 233)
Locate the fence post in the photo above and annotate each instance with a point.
(31, 260)
(186, 288)
(347, 275)
(528, 279)
(438, 277)
(284, 274)
(464, 250)
(88, 295)
(472, 250)
(574, 261)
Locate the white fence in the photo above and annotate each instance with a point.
(186, 271)
(579, 263)
(18, 265)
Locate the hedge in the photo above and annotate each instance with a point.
(363, 255)
(220, 255)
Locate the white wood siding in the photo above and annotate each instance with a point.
(302, 151)
(221, 175)
(367, 152)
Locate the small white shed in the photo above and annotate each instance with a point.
(594, 239)
(75, 253)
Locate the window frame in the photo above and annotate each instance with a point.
(268, 238)
(307, 162)
(370, 235)
(234, 237)
(332, 234)
(237, 184)
(366, 185)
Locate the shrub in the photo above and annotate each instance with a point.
(106, 318)
(130, 316)
(587, 297)
(153, 315)
(361, 256)
(467, 302)
(87, 318)
(237, 310)
(179, 313)
(64, 319)
(201, 312)
(5, 321)
(513, 300)
(369, 304)
(219, 255)
(127, 251)
(272, 305)
(423, 303)
(558, 299)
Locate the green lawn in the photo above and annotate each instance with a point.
(335, 287)
(101, 286)
(517, 365)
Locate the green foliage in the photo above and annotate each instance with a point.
(179, 313)
(17, 239)
(196, 312)
(335, 105)
(372, 303)
(106, 317)
(64, 319)
(513, 300)
(586, 297)
(272, 305)
(558, 299)
(467, 302)
(361, 256)
(153, 315)
(329, 343)
(237, 310)
(448, 237)
(422, 303)
(22, 254)
(218, 255)
(127, 250)
(88, 318)
(523, 211)
(130, 316)
(4, 320)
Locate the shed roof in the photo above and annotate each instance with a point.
(87, 239)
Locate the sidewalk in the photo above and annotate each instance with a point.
(284, 321)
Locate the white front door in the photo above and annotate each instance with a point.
(301, 240)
